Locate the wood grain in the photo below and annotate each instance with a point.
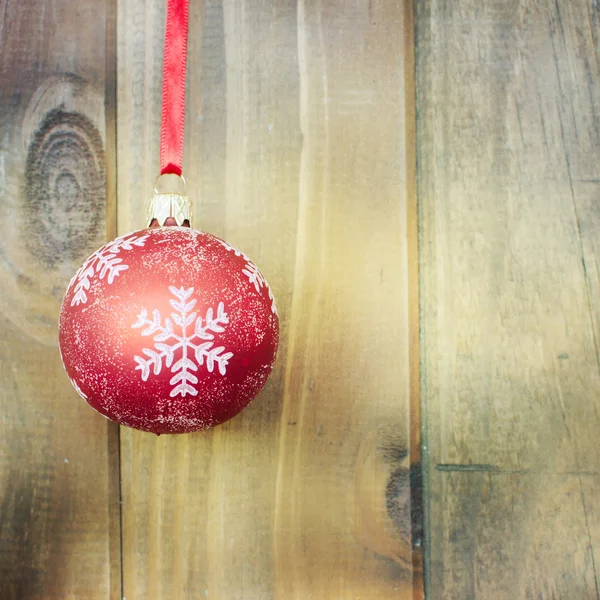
(500, 539)
(296, 151)
(508, 138)
(59, 509)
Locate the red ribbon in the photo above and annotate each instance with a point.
(173, 96)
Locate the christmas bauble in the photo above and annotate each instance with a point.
(168, 330)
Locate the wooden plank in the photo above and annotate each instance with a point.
(503, 539)
(296, 151)
(59, 521)
(590, 491)
(507, 132)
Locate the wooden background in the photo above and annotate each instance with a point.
(305, 123)
(509, 190)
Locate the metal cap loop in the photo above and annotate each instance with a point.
(170, 189)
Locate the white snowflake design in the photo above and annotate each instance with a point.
(200, 342)
(105, 263)
(254, 276)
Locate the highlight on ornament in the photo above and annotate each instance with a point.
(168, 329)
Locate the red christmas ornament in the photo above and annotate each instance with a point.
(168, 330)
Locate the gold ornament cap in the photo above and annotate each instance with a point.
(169, 207)
(163, 206)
